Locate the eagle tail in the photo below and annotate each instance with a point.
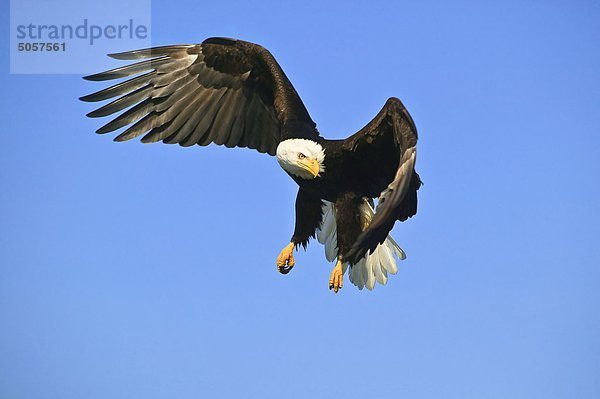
(373, 267)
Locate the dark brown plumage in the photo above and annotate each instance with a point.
(222, 91)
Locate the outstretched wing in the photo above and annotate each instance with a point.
(223, 91)
(386, 149)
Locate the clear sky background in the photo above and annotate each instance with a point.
(147, 271)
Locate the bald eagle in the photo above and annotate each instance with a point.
(233, 93)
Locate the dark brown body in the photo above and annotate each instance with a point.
(351, 176)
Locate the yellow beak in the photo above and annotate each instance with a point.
(312, 166)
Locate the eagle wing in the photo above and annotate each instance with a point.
(223, 91)
(386, 150)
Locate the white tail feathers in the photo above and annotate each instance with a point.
(327, 233)
(373, 267)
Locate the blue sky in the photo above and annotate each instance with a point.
(147, 271)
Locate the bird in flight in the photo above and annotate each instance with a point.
(233, 93)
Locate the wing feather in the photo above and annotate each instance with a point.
(128, 70)
(202, 100)
(152, 52)
(120, 88)
(122, 102)
(127, 117)
(161, 132)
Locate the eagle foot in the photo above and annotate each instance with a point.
(336, 280)
(285, 260)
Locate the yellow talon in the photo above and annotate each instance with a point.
(336, 280)
(285, 260)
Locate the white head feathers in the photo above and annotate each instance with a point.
(301, 157)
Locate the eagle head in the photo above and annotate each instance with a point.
(301, 157)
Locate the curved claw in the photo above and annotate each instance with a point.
(285, 260)
(285, 269)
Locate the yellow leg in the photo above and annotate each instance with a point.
(336, 280)
(285, 260)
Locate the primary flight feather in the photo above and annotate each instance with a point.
(233, 93)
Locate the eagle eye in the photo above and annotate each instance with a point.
(301, 155)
